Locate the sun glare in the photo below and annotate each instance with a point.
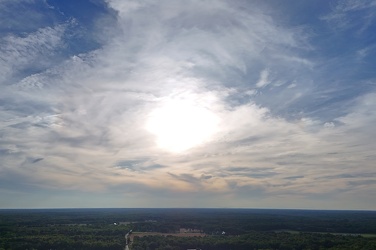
(181, 125)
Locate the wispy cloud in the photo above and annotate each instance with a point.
(345, 14)
(33, 52)
(263, 81)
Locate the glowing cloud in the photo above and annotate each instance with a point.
(181, 124)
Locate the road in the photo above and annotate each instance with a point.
(126, 241)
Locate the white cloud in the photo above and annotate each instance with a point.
(342, 15)
(263, 80)
(32, 51)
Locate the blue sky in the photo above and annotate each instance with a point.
(260, 104)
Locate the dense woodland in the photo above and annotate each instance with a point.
(244, 229)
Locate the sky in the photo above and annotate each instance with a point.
(197, 103)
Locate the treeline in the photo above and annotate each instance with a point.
(62, 237)
(234, 221)
(256, 240)
(244, 229)
(242, 221)
(76, 237)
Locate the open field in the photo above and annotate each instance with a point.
(343, 234)
(142, 234)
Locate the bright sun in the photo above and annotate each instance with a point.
(180, 125)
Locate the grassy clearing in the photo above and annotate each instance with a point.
(368, 235)
(344, 234)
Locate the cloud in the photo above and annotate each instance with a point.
(78, 122)
(31, 52)
(36, 160)
(345, 14)
(263, 81)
